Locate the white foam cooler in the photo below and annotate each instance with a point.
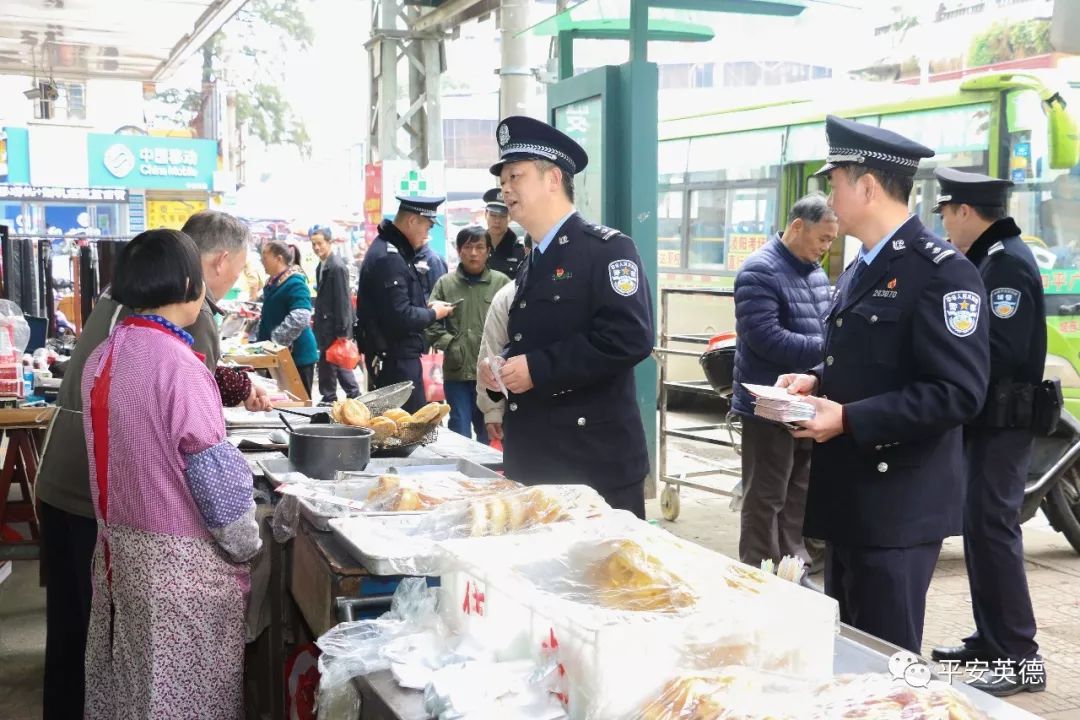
(613, 661)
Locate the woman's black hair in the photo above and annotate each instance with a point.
(295, 250)
(158, 268)
(469, 234)
(280, 250)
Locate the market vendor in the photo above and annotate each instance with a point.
(173, 501)
(287, 308)
(69, 530)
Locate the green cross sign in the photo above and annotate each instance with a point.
(413, 184)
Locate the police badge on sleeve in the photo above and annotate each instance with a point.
(623, 275)
(961, 312)
(1004, 302)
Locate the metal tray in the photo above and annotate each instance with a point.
(373, 563)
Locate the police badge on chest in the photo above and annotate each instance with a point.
(889, 291)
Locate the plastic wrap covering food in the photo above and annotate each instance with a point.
(413, 544)
(738, 693)
(617, 603)
(396, 493)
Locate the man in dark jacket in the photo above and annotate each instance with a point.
(333, 315)
(781, 295)
(1000, 441)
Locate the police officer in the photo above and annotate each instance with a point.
(906, 365)
(999, 442)
(581, 319)
(507, 249)
(391, 304)
(430, 266)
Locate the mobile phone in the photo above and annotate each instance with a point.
(457, 302)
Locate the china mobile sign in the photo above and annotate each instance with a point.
(153, 163)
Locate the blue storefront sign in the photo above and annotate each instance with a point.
(151, 163)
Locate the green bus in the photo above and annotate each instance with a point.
(727, 179)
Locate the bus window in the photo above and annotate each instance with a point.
(708, 218)
(1045, 203)
(669, 236)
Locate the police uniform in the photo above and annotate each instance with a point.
(999, 442)
(906, 354)
(508, 257)
(582, 316)
(391, 305)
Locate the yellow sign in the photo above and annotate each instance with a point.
(171, 213)
(741, 246)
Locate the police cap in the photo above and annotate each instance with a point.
(423, 206)
(857, 143)
(525, 138)
(970, 189)
(495, 202)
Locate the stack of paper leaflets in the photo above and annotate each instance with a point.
(776, 404)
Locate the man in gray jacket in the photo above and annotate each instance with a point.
(68, 526)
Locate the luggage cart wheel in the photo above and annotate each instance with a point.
(669, 502)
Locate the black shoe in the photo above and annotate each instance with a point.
(1025, 676)
(961, 654)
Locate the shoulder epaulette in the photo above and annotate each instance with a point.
(996, 248)
(934, 249)
(601, 231)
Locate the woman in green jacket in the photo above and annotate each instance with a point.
(473, 285)
(287, 307)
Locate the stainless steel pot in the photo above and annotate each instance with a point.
(319, 451)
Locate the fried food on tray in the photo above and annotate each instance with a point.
(350, 412)
(395, 494)
(629, 578)
(500, 514)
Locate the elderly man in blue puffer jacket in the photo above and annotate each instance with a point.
(781, 297)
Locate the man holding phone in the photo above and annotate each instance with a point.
(470, 290)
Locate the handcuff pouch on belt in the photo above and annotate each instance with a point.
(1023, 405)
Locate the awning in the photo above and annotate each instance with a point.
(129, 39)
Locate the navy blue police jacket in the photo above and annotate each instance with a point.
(391, 303)
(1017, 307)
(582, 316)
(907, 355)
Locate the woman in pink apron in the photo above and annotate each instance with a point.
(176, 520)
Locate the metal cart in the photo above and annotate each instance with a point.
(723, 434)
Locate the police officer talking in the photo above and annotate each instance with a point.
(998, 443)
(391, 304)
(581, 319)
(906, 365)
(507, 249)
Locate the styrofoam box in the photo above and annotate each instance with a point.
(614, 661)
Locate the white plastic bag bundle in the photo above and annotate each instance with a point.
(14, 332)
